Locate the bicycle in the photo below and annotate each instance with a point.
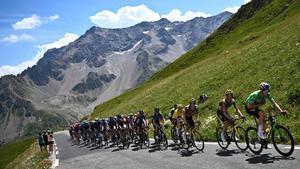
(281, 137)
(143, 138)
(161, 138)
(236, 134)
(124, 138)
(193, 138)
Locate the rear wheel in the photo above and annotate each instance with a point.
(253, 141)
(222, 144)
(283, 140)
(240, 138)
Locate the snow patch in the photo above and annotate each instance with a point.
(167, 28)
(129, 50)
(145, 32)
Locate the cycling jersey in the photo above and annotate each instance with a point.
(157, 117)
(257, 98)
(112, 123)
(140, 120)
(227, 104)
(171, 113)
(189, 111)
(120, 122)
(178, 113)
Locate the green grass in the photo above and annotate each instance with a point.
(239, 55)
(11, 151)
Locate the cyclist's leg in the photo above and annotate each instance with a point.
(262, 122)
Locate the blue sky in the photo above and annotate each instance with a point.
(28, 28)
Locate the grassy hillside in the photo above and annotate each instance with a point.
(23, 153)
(11, 151)
(253, 46)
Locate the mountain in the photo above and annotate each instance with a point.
(68, 82)
(259, 43)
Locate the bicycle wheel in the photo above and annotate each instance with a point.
(146, 139)
(253, 141)
(283, 140)
(174, 135)
(198, 141)
(164, 141)
(240, 138)
(222, 144)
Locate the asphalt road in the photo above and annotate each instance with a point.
(84, 157)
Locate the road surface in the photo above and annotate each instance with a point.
(71, 156)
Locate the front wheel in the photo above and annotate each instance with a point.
(174, 135)
(283, 140)
(253, 141)
(198, 141)
(240, 138)
(164, 141)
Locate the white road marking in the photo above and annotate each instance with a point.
(56, 152)
(206, 143)
(296, 148)
(56, 163)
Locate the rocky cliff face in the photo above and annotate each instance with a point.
(68, 82)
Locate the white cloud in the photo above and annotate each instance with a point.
(16, 38)
(124, 17)
(65, 40)
(246, 1)
(233, 9)
(131, 15)
(50, 18)
(28, 23)
(33, 22)
(177, 15)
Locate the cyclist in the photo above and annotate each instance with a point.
(120, 122)
(141, 121)
(222, 112)
(177, 116)
(157, 120)
(112, 124)
(253, 106)
(71, 131)
(171, 114)
(190, 110)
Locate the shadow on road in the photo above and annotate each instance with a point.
(187, 153)
(155, 148)
(226, 153)
(265, 158)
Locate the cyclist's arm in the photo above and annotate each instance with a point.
(277, 106)
(162, 119)
(237, 110)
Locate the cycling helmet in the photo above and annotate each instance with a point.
(156, 109)
(264, 86)
(141, 112)
(229, 92)
(193, 100)
(179, 106)
(175, 105)
(96, 119)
